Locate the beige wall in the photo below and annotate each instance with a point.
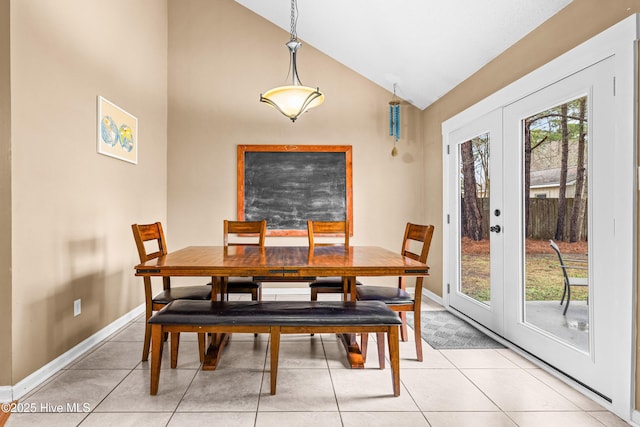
(71, 207)
(5, 198)
(221, 57)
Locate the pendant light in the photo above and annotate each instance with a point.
(294, 99)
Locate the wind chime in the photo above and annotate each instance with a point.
(394, 120)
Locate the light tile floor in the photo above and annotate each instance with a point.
(110, 387)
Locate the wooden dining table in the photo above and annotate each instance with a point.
(286, 263)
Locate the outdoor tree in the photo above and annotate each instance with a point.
(555, 139)
(577, 213)
(564, 162)
(529, 146)
(471, 213)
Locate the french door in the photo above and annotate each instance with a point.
(475, 174)
(539, 170)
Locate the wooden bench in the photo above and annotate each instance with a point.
(274, 318)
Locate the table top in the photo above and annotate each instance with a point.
(282, 261)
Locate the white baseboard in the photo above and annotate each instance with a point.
(432, 296)
(9, 394)
(635, 418)
(6, 394)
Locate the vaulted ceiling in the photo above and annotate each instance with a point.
(424, 47)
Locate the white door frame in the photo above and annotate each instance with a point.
(620, 41)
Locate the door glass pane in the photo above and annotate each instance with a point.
(473, 158)
(555, 214)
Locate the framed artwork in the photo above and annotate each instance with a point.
(286, 185)
(117, 132)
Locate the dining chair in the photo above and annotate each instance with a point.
(244, 233)
(328, 231)
(415, 245)
(144, 233)
(570, 281)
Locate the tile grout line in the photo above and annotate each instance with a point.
(264, 369)
(478, 387)
(333, 387)
(173, 413)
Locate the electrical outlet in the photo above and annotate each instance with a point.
(77, 307)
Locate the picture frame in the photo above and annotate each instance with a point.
(289, 184)
(117, 132)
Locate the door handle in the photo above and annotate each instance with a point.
(495, 228)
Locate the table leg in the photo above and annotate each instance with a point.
(214, 351)
(216, 342)
(349, 288)
(354, 355)
(216, 288)
(352, 288)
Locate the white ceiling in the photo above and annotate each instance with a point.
(425, 47)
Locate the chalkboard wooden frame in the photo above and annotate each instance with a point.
(341, 171)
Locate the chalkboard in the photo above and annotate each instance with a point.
(286, 185)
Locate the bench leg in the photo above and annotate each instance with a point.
(394, 357)
(157, 342)
(364, 342)
(380, 342)
(202, 341)
(274, 343)
(175, 344)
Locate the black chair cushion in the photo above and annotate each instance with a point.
(386, 294)
(279, 313)
(183, 292)
(329, 282)
(242, 282)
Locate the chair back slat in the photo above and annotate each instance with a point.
(143, 233)
(250, 229)
(421, 236)
(327, 229)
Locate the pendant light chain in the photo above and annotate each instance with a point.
(294, 20)
(293, 99)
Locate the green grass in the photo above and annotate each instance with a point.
(544, 281)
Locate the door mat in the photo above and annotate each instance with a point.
(443, 330)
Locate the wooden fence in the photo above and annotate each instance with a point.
(543, 217)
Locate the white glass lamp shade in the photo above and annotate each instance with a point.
(293, 100)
